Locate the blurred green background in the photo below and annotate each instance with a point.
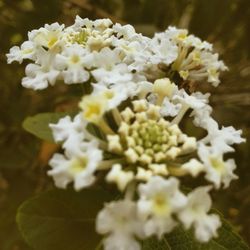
(23, 158)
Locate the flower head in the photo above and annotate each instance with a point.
(131, 126)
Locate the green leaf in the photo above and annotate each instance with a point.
(38, 125)
(62, 219)
(154, 243)
(20, 187)
(65, 220)
(181, 239)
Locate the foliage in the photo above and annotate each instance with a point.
(38, 125)
(66, 219)
(66, 222)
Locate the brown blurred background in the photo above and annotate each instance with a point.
(23, 158)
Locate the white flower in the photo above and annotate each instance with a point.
(133, 53)
(110, 69)
(195, 101)
(195, 214)
(144, 88)
(213, 66)
(78, 169)
(217, 170)
(116, 93)
(201, 116)
(102, 24)
(41, 74)
(159, 200)
(176, 34)
(163, 49)
(232, 136)
(106, 58)
(120, 242)
(120, 177)
(125, 31)
(170, 109)
(195, 59)
(119, 221)
(49, 36)
(70, 132)
(27, 51)
(93, 35)
(113, 75)
(94, 107)
(39, 77)
(221, 139)
(82, 22)
(197, 43)
(73, 62)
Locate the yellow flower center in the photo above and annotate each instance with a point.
(217, 164)
(92, 110)
(161, 205)
(78, 165)
(75, 59)
(93, 107)
(52, 41)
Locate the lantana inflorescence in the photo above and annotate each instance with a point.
(138, 111)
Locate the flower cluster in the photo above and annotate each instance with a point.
(108, 53)
(131, 127)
